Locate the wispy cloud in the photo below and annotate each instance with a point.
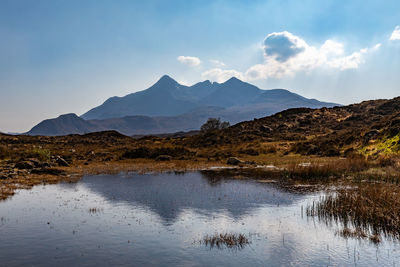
(286, 54)
(217, 63)
(395, 34)
(221, 75)
(189, 61)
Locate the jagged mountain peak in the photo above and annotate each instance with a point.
(165, 80)
(233, 79)
(169, 98)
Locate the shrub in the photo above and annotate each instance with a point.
(213, 124)
(140, 152)
(249, 151)
(39, 153)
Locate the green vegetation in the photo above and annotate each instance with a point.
(41, 154)
(390, 145)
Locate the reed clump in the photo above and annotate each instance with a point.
(369, 208)
(231, 241)
(95, 210)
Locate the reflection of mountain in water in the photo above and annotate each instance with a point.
(169, 194)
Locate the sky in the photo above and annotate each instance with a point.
(68, 56)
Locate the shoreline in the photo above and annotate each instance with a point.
(344, 187)
(74, 173)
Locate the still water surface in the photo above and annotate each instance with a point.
(159, 219)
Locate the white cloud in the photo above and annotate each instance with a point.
(286, 54)
(217, 63)
(220, 75)
(190, 61)
(331, 47)
(395, 34)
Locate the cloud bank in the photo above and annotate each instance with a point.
(189, 61)
(286, 54)
(395, 34)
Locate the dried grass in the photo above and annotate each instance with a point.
(220, 241)
(370, 208)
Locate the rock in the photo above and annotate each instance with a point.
(51, 171)
(233, 161)
(332, 152)
(265, 129)
(24, 165)
(44, 165)
(3, 177)
(370, 135)
(163, 158)
(62, 162)
(313, 150)
(35, 162)
(250, 151)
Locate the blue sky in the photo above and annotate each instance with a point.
(68, 56)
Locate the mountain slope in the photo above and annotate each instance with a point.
(155, 101)
(169, 98)
(68, 123)
(231, 93)
(168, 107)
(129, 125)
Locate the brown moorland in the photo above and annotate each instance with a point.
(356, 146)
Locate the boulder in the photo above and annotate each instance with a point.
(62, 162)
(163, 158)
(370, 135)
(265, 129)
(35, 162)
(233, 161)
(51, 171)
(24, 165)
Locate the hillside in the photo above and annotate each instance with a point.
(371, 126)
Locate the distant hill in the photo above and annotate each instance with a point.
(168, 107)
(129, 125)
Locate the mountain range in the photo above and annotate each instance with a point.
(168, 107)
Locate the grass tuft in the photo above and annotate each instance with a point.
(220, 241)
